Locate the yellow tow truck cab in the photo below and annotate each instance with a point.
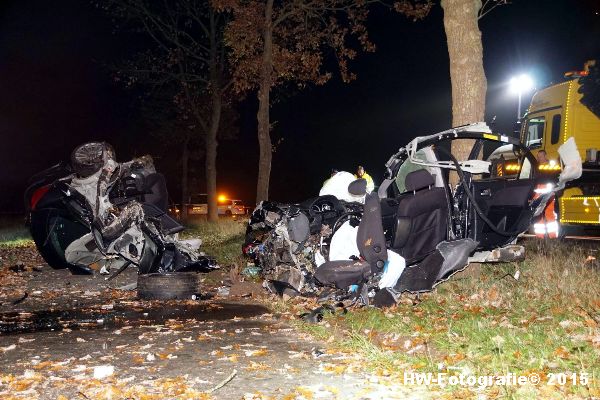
(554, 115)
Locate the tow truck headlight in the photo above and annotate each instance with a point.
(544, 189)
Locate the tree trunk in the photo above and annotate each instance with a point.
(264, 134)
(184, 179)
(467, 76)
(211, 157)
(213, 129)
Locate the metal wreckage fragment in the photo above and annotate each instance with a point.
(94, 213)
(287, 247)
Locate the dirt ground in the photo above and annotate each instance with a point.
(78, 337)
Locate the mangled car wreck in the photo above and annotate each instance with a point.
(97, 214)
(413, 233)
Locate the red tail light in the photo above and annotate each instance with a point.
(37, 196)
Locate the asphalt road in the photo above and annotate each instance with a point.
(76, 337)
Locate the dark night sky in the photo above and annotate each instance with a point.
(56, 92)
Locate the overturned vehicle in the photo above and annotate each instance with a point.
(413, 233)
(95, 214)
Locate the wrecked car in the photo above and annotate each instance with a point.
(96, 214)
(414, 233)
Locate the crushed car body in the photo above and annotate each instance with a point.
(413, 233)
(95, 214)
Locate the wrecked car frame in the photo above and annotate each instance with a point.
(95, 214)
(412, 234)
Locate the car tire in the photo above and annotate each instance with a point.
(50, 246)
(228, 213)
(173, 286)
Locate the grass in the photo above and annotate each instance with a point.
(13, 232)
(546, 322)
(222, 240)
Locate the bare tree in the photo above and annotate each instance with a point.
(189, 51)
(165, 113)
(273, 42)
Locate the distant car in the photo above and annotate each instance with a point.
(197, 205)
(231, 207)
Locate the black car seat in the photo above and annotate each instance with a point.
(156, 203)
(370, 240)
(156, 187)
(421, 219)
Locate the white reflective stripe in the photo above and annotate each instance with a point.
(542, 229)
(552, 227)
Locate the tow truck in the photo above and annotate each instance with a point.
(557, 113)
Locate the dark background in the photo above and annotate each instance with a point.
(56, 92)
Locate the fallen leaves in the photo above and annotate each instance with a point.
(333, 368)
(454, 358)
(257, 366)
(255, 353)
(562, 352)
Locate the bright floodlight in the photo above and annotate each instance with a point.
(521, 83)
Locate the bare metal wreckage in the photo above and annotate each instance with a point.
(412, 234)
(94, 213)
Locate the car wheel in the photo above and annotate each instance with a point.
(228, 213)
(173, 286)
(53, 231)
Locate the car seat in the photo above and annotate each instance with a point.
(421, 218)
(371, 244)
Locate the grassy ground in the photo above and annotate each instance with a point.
(13, 231)
(222, 240)
(488, 323)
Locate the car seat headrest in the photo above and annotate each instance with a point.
(358, 187)
(418, 180)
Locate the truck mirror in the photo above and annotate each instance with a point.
(517, 129)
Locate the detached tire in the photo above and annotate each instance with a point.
(174, 286)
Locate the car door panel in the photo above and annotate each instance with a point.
(506, 204)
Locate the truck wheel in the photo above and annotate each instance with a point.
(172, 286)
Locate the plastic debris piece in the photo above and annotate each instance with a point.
(8, 348)
(392, 270)
(103, 371)
(131, 286)
(343, 243)
(251, 271)
(319, 259)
